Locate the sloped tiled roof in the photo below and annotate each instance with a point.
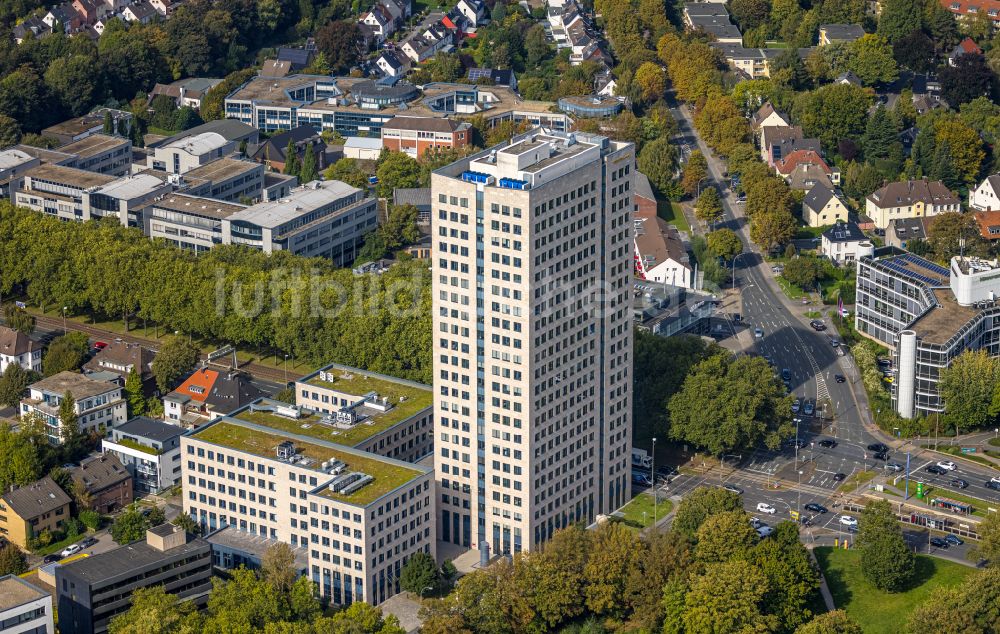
(14, 343)
(37, 498)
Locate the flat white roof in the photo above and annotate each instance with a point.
(129, 187)
(363, 142)
(13, 158)
(199, 143)
(301, 200)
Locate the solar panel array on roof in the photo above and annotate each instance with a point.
(478, 73)
(903, 269)
(927, 264)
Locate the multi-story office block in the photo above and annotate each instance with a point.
(928, 315)
(532, 337)
(93, 590)
(13, 164)
(373, 412)
(101, 153)
(226, 179)
(58, 190)
(98, 404)
(274, 473)
(24, 609)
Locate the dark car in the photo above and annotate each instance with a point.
(815, 508)
(641, 479)
(786, 374)
(87, 543)
(809, 408)
(959, 483)
(828, 443)
(882, 455)
(50, 558)
(877, 447)
(817, 325)
(732, 488)
(953, 539)
(737, 317)
(936, 470)
(839, 378)
(937, 542)
(801, 444)
(839, 477)
(992, 485)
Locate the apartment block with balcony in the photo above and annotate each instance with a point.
(359, 515)
(533, 337)
(98, 405)
(150, 450)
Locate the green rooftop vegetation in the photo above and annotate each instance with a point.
(387, 476)
(128, 442)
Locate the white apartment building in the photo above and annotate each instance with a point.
(24, 609)
(17, 347)
(532, 324)
(909, 199)
(150, 450)
(188, 153)
(98, 404)
(359, 515)
(986, 196)
(372, 412)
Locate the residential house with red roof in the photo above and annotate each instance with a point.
(207, 395)
(807, 162)
(989, 224)
(965, 47)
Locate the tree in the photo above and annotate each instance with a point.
(349, 171)
(725, 243)
(969, 389)
(771, 229)
(952, 233)
(153, 610)
(291, 159)
(91, 519)
(750, 14)
(129, 526)
(725, 536)
(212, 104)
(915, 51)
(12, 560)
(769, 194)
(615, 552)
(968, 608)
(65, 353)
(728, 404)
(188, 523)
(843, 11)
(802, 271)
(13, 382)
(419, 574)
(709, 206)
(969, 78)
(651, 80)
(898, 19)
(988, 547)
(277, 567)
(133, 393)
(836, 622)
(22, 463)
(658, 161)
(176, 357)
(872, 61)
(886, 560)
(726, 598)
(308, 172)
(10, 131)
(832, 113)
(695, 171)
(965, 147)
(69, 426)
(880, 134)
(19, 319)
(341, 42)
(397, 170)
(74, 83)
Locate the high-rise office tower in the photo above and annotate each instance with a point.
(532, 334)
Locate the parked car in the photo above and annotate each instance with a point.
(765, 531)
(87, 543)
(737, 317)
(732, 488)
(764, 507)
(839, 477)
(937, 542)
(835, 343)
(99, 345)
(828, 443)
(641, 479)
(953, 539)
(877, 447)
(48, 559)
(786, 374)
(936, 470)
(796, 405)
(70, 550)
(839, 378)
(995, 479)
(758, 333)
(947, 465)
(756, 523)
(815, 508)
(809, 408)
(959, 483)
(848, 520)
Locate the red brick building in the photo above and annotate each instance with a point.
(107, 481)
(417, 135)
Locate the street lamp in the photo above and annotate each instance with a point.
(797, 421)
(699, 185)
(286, 370)
(652, 476)
(65, 308)
(798, 491)
(735, 257)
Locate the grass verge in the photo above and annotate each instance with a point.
(672, 213)
(957, 451)
(879, 611)
(790, 290)
(857, 479)
(639, 512)
(931, 492)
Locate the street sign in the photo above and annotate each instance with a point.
(221, 352)
(920, 490)
(968, 450)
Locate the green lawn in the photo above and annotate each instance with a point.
(790, 290)
(673, 214)
(879, 611)
(643, 504)
(955, 450)
(857, 479)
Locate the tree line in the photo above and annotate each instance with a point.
(302, 306)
